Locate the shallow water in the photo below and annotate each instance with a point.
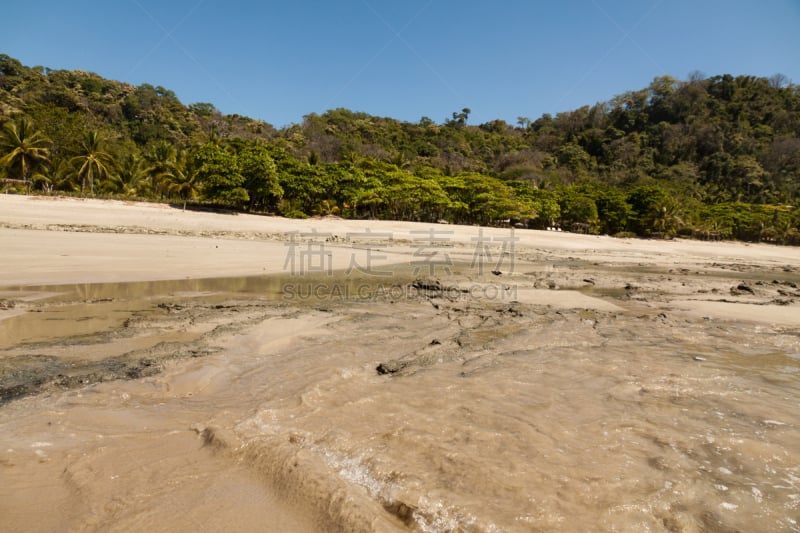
(583, 429)
(51, 312)
(502, 417)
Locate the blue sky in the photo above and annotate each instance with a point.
(278, 61)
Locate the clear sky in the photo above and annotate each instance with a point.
(278, 61)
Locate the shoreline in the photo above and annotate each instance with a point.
(47, 240)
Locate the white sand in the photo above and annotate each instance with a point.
(102, 240)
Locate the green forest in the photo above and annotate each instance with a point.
(709, 157)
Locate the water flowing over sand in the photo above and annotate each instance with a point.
(592, 385)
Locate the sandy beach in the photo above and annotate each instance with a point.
(166, 369)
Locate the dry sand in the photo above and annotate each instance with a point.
(137, 241)
(163, 387)
(48, 241)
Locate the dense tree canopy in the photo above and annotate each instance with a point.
(715, 157)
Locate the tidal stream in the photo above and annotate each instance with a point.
(228, 405)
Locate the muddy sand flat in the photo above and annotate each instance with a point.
(165, 369)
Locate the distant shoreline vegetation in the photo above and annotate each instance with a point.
(710, 158)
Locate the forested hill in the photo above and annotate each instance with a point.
(715, 157)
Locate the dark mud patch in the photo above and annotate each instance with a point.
(109, 354)
(32, 374)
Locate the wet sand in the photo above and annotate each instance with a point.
(168, 370)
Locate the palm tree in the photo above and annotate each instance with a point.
(181, 180)
(130, 175)
(56, 175)
(185, 185)
(668, 216)
(22, 148)
(162, 158)
(91, 160)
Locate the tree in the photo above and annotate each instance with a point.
(778, 81)
(652, 209)
(667, 216)
(578, 210)
(612, 210)
(573, 157)
(261, 176)
(701, 142)
(57, 175)
(547, 208)
(476, 197)
(130, 177)
(91, 161)
(217, 171)
(459, 120)
(411, 197)
(204, 109)
(184, 184)
(23, 148)
(161, 157)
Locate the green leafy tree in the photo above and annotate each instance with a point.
(547, 208)
(261, 176)
(613, 211)
(410, 197)
(575, 158)
(578, 210)
(652, 209)
(218, 173)
(459, 120)
(300, 182)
